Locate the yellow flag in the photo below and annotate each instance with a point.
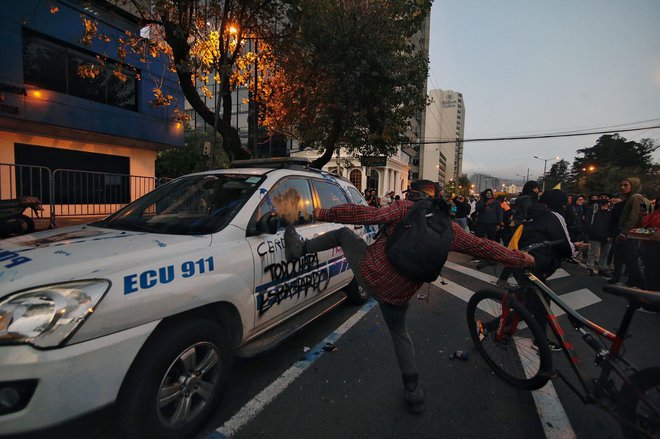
(558, 186)
(513, 243)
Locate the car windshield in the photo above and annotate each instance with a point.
(192, 205)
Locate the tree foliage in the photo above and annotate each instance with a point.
(348, 75)
(559, 173)
(203, 41)
(601, 167)
(174, 162)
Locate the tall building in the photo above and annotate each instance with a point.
(418, 121)
(445, 122)
(52, 120)
(482, 182)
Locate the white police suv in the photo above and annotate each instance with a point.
(148, 306)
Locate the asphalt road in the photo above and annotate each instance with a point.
(300, 390)
(355, 390)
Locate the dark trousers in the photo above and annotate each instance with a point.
(626, 254)
(486, 231)
(354, 248)
(651, 259)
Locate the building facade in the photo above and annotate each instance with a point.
(482, 182)
(442, 153)
(382, 174)
(51, 117)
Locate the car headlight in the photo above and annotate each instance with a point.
(46, 316)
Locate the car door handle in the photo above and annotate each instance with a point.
(357, 227)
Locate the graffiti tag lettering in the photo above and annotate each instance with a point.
(291, 280)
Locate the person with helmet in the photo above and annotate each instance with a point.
(377, 275)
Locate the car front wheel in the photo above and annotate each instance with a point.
(176, 382)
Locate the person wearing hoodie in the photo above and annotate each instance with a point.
(546, 223)
(635, 207)
(521, 209)
(462, 211)
(599, 238)
(489, 217)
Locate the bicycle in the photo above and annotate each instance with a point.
(515, 347)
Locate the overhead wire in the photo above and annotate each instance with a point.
(540, 136)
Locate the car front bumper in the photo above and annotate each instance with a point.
(70, 381)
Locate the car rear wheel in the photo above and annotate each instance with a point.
(176, 382)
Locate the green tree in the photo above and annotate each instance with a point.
(349, 75)
(174, 162)
(601, 167)
(204, 42)
(463, 185)
(558, 173)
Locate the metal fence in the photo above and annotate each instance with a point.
(68, 192)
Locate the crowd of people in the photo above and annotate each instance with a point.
(601, 223)
(594, 229)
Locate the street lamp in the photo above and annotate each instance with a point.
(545, 163)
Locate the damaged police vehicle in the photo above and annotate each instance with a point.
(147, 307)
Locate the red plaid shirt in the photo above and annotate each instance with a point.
(381, 277)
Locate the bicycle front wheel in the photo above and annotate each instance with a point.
(641, 417)
(509, 340)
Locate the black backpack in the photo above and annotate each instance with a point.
(420, 243)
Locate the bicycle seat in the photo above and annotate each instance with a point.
(649, 300)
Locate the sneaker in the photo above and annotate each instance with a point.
(554, 347)
(590, 272)
(605, 273)
(503, 284)
(294, 244)
(413, 394)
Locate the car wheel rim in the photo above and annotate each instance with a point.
(189, 384)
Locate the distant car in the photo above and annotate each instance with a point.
(149, 306)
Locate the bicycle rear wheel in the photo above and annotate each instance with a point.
(641, 420)
(520, 355)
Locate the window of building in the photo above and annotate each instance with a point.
(80, 177)
(53, 65)
(356, 178)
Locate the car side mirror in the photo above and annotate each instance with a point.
(268, 224)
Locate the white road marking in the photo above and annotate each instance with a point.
(552, 415)
(559, 274)
(266, 396)
(576, 300)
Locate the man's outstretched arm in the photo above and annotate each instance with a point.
(358, 214)
(485, 248)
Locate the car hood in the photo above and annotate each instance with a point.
(82, 252)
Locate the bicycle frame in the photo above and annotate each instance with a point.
(608, 359)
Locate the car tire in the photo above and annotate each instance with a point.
(355, 294)
(176, 382)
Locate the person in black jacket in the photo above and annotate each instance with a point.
(546, 223)
(600, 240)
(524, 204)
(489, 217)
(462, 211)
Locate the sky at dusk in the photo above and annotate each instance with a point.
(530, 67)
